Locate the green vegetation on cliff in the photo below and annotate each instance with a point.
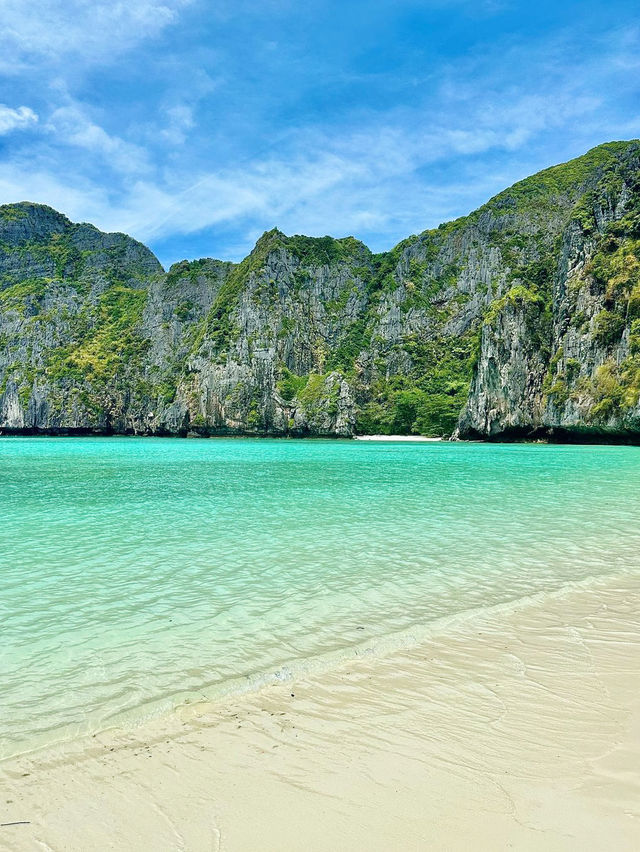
(107, 342)
(427, 400)
(522, 316)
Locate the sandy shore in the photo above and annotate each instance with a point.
(518, 729)
(412, 438)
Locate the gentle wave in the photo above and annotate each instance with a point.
(139, 574)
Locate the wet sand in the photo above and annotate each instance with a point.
(513, 729)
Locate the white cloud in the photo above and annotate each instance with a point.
(82, 201)
(382, 173)
(15, 119)
(363, 181)
(179, 120)
(50, 30)
(73, 127)
(363, 184)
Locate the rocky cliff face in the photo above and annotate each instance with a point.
(563, 359)
(520, 319)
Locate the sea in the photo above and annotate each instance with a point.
(139, 574)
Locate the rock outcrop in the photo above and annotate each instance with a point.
(519, 320)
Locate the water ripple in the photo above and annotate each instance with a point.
(135, 573)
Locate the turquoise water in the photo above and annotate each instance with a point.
(138, 573)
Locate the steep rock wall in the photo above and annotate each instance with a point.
(521, 319)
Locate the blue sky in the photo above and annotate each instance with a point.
(196, 125)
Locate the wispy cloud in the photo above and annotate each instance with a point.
(71, 126)
(16, 119)
(215, 137)
(95, 30)
(384, 174)
(179, 121)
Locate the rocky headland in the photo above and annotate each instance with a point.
(521, 320)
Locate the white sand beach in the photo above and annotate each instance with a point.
(412, 438)
(514, 729)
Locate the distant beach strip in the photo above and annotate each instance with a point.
(414, 439)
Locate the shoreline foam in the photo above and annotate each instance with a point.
(518, 726)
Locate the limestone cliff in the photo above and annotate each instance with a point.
(521, 319)
(562, 359)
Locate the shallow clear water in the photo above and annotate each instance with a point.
(137, 573)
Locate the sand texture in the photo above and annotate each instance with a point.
(514, 729)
